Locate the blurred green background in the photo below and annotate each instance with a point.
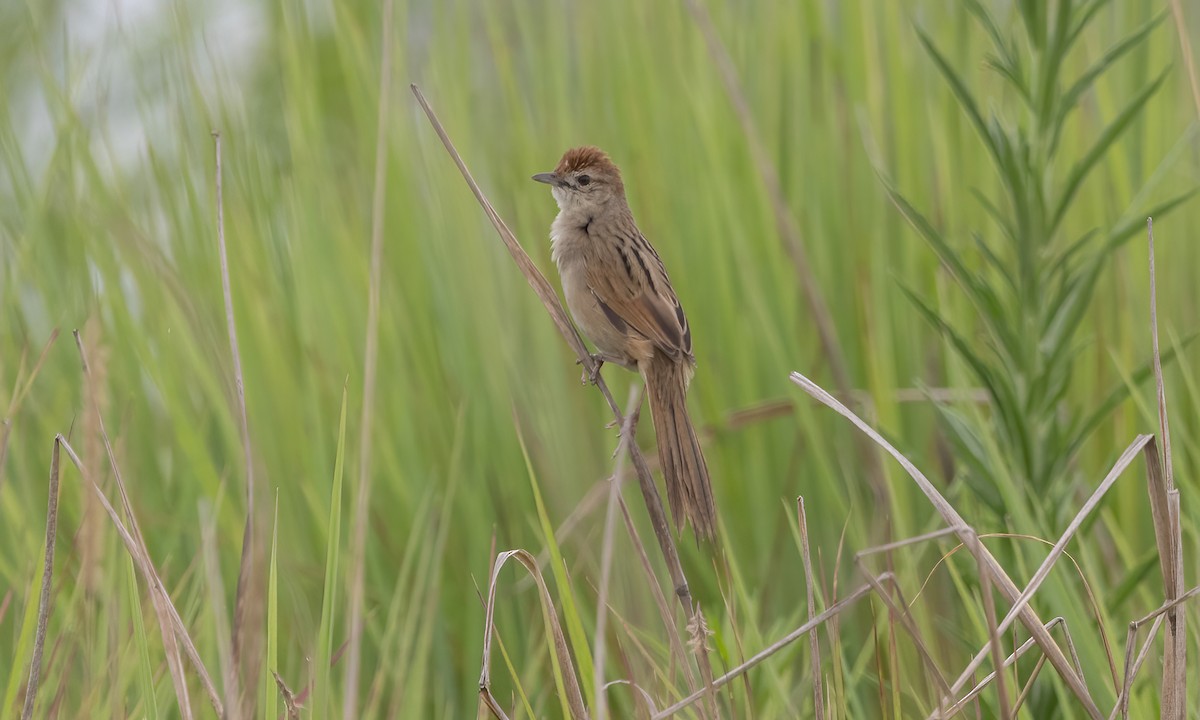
(108, 225)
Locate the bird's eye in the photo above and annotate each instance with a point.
(584, 179)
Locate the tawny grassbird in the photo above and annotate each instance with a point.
(618, 292)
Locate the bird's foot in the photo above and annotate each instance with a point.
(598, 360)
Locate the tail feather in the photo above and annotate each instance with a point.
(689, 488)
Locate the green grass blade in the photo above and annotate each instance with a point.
(322, 691)
(1071, 96)
(145, 667)
(1084, 18)
(960, 90)
(1136, 225)
(269, 697)
(1114, 130)
(979, 293)
(1118, 394)
(24, 645)
(566, 595)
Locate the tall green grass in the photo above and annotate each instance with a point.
(116, 231)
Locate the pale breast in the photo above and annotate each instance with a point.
(572, 252)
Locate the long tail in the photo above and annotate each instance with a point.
(689, 489)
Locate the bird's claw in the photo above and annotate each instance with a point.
(593, 375)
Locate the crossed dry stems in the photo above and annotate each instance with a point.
(1164, 501)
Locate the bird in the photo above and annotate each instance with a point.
(617, 290)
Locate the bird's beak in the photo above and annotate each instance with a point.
(548, 178)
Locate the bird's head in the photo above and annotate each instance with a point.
(585, 179)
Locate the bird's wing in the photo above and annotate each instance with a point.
(639, 295)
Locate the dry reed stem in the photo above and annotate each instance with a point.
(247, 612)
(1122, 705)
(896, 545)
(951, 517)
(606, 548)
(664, 610)
(545, 293)
(982, 685)
(370, 361)
(1043, 571)
(645, 696)
(1166, 609)
(169, 623)
(43, 616)
(814, 645)
(989, 613)
(1095, 606)
(859, 593)
(570, 687)
(900, 610)
(159, 599)
(1168, 530)
(970, 540)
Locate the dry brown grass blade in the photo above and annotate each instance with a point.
(979, 687)
(660, 601)
(1164, 504)
(43, 616)
(1097, 612)
(900, 610)
(606, 547)
(1041, 661)
(989, 612)
(170, 625)
(645, 696)
(550, 616)
(358, 547)
(541, 287)
(169, 619)
(814, 645)
(1043, 571)
(897, 544)
(832, 611)
(1133, 666)
(950, 516)
(1167, 609)
(247, 608)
